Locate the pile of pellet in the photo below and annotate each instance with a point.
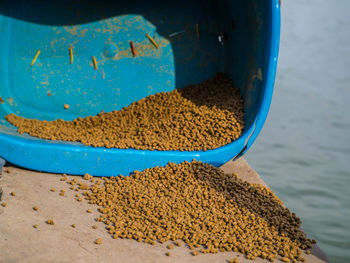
(197, 203)
(197, 117)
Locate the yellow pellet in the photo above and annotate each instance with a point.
(35, 57)
(35, 226)
(50, 222)
(152, 41)
(74, 225)
(197, 30)
(35, 208)
(285, 259)
(98, 241)
(3, 204)
(95, 62)
(71, 54)
(13, 193)
(170, 246)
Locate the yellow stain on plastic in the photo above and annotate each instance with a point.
(71, 54)
(152, 40)
(34, 59)
(95, 62)
(197, 30)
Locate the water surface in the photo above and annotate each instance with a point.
(303, 152)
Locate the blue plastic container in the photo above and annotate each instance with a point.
(249, 32)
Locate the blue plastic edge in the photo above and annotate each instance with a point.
(272, 58)
(57, 157)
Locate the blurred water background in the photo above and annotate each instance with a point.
(303, 152)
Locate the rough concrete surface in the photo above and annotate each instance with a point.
(20, 242)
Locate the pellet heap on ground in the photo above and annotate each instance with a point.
(197, 203)
(197, 117)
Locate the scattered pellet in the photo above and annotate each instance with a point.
(53, 189)
(152, 41)
(177, 243)
(8, 171)
(170, 246)
(132, 49)
(197, 30)
(74, 225)
(13, 194)
(308, 252)
(98, 241)
(3, 204)
(94, 227)
(168, 254)
(50, 222)
(94, 62)
(284, 259)
(197, 117)
(35, 208)
(35, 57)
(71, 55)
(89, 211)
(35, 226)
(195, 253)
(66, 106)
(87, 176)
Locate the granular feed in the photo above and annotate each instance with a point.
(197, 117)
(199, 205)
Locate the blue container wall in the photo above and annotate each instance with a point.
(103, 29)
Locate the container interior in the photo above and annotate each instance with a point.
(234, 38)
(104, 29)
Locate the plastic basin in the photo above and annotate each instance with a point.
(103, 29)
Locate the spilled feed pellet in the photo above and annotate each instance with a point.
(197, 117)
(35, 208)
(200, 205)
(98, 241)
(50, 222)
(170, 246)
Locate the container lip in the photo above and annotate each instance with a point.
(272, 57)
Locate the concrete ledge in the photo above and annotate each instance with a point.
(20, 242)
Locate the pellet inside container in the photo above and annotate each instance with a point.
(200, 205)
(197, 117)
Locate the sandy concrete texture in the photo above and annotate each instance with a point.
(20, 242)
